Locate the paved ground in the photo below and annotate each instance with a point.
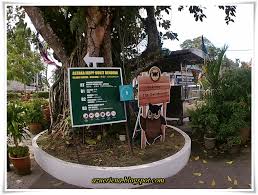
(218, 170)
(214, 172)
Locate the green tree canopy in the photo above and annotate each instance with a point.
(22, 62)
(213, 51)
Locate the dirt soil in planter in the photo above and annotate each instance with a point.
(112, 152)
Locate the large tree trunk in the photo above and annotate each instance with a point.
(107, 48)
(47, 32)
(58, 98)
(98, 20)
(154, 42)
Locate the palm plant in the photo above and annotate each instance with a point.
(213, 69)
(19, 155)
(15, 122)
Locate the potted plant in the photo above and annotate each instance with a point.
(211, 122)
(209, 139)
(34, 116)
(19, 155)
(234, 143)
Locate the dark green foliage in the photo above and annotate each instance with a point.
(227, 109)
(13, 96)
(233, 140)
(41, 94)
(198, 14)
(18, 152)
(204, 119)
(230, 12)
(236, 85)
(59, 18)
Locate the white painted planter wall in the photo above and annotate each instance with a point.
(81, 175)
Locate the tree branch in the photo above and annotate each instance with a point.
(47, 32)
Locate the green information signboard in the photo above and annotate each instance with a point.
(94, 96)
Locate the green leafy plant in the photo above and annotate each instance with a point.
(232, 119)
(15, 124)
(13, 96)
(41, 94)
(19, 151)
(204, 120)
(236, 85)
(233, 140)
(34, 112)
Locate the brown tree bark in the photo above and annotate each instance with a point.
(98, 19)
(107, 48)
(47, 32)
(154, 42)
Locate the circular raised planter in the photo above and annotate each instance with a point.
(82, 175)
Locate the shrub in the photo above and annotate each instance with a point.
(226, 109)
(233, 140)
(19, 151)
(34, 112)
(236, 85)
(204, 119)
(13, 96)
(41, 94)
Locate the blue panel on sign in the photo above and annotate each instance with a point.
(126, 92)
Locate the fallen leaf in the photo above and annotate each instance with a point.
(172, 135)
(196, 158)
(230, 162)
(204, 161)
(99, 137)
(229, 179)
(176, 147)
(230, 188)
(91, 141)
(197, 174)
(200, 181)
(18, 181)
(245, 146)
(213, 183)
(235, 182)
(204, 151)
(57, 184)
(250, 185)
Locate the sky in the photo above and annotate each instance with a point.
(239, 36)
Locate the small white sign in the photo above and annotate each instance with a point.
(94, 60)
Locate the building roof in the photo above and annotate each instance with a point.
(188, 56)
(172, 62)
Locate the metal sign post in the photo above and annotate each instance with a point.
(126, 94)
